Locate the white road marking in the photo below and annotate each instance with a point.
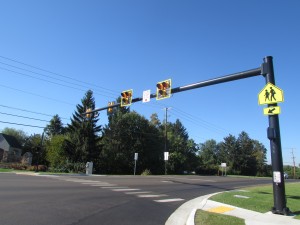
(169, 200)
(151, 196)
(113, 187)
(138, 192)
(103, 185)
(126, 189)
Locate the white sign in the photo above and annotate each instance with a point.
(146, 96)
(277, 177)
(166, 156)
(223, 165)
(136, 156)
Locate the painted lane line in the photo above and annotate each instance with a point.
(102, 185)
(126, 189)
(91, 181)
(137, 192)
(151, 196)
(169, 200)
(113, 187)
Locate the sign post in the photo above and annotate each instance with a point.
(271, 95)
(223, 165)
(166, 157)
(136, 156)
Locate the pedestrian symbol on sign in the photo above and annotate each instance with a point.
(270, 94)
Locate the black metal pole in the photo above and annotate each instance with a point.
(275, 147)
(166, 137)
(218, 80)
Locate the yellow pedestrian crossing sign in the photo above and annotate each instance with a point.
(270, 94)
(272, 110)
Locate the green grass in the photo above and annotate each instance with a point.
(209, 218)
(261, 198)
(6, 170)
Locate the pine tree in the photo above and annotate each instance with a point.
(55, 127)
(84, 132)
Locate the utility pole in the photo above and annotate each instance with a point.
(293, 157)
(166, 135)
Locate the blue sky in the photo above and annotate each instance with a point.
(52, 52)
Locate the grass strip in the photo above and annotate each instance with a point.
(210, 218)
(260, 198)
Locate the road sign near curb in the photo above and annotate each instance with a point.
(272, 110)
(270, 94)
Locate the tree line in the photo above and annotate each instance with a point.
(111, 148)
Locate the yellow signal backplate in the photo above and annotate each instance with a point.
(163, 89)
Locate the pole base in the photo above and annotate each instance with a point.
(285, 211)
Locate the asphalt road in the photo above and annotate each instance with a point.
(113, 200)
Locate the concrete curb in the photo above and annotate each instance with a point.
(184, 212)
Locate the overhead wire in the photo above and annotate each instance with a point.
(37, 95)
(184, 116)
(21, 124)
(178, 112)
(52, 82)
(196, 120)
(57, 74)
(25, 117)
(25, 110)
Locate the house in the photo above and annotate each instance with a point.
(10, 149)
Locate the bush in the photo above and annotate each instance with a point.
(41, 168)
(146, 172)
(18, 166)
(207, 171)
(69, 168)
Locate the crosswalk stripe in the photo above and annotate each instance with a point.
(113, 186)
(125, 189)
(169, 200)
(138, 192)
(151, 196)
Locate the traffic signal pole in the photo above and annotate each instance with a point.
(273, 131)
(218, 80)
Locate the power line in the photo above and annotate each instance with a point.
(25, 117)
(25, 110)
(41, 96)
(60, 75)
(20, 124)
(48, 81)
(196, 120)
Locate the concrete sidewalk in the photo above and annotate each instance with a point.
(185, 214)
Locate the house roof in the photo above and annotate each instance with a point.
(11, 140)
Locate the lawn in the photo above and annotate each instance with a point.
(209, 218)
(260, 198)
(5, 170)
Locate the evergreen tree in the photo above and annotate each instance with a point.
(259, 152)
(208, 155)
(83, 133)
(182, 150)
(55, 127)
(126, 134)
(154, 120)
(230, 153)
(248, 165)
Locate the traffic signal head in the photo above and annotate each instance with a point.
(126, 98)
(88, 113)
(110, 110)
(163, 89)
